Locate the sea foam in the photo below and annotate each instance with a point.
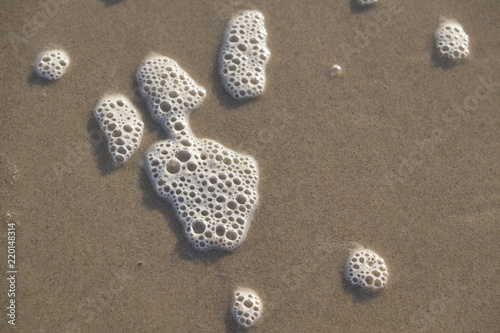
(366, 269)
(244, 55)
(246, 307)
(121, 124)
(51, 65)
(212, 189)
(451, 40)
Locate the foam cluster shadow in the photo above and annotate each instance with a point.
(34, 80)
(356, 8)
(359, 295)
(112, 2)
(100, 145)
(231, 324)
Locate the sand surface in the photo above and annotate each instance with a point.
(400, 155)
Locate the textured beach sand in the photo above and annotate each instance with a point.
(400, 155)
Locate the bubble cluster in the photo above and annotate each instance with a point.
(246, 307)
(244, 55)
(451, 40)
(51, 65)
(121, 124)
(366, 269)
(170, 92)
(212, 189)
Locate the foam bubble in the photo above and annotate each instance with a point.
(51, 65)
(366, 269)
(121, 124)
(246, 307)
(244, 55)
(451, 40)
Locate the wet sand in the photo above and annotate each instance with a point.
(401, 154)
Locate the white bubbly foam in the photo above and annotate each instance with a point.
(51, 65)
(244, 55)
(121, 124)
(451, 40)
(170, 92)
(366, 269)
(246, 307)
(213, 189)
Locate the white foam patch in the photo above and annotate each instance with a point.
(170, 92)
(244, 55)
(212, 189)
(451, 40)
(121, 124)
(366, 2)
(246, 307)
(366, 269)
(51, 65)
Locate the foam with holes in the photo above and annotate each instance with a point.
(246, 307)
(121, 124)
(366, 269)
(244, 55)
(366, 2)
(213, 189)
(451, 40)
(170, 92)
(51, 65)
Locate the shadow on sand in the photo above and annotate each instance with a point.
(356, 8)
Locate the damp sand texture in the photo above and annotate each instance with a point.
(400, 154)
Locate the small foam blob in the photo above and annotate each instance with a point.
(366, 2)
(246, 307)
(244, 55)
(51, 65)
(170, 92)
(336, 71)
(451, 40)
(366, 269)
(121, 124)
